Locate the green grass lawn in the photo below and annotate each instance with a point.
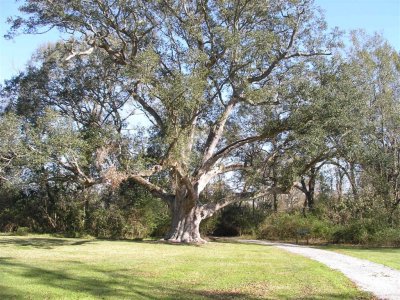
(37, 267)
(386, 256)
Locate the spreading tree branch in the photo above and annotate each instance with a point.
(147, 107)
(207, 210)
(153, 189)
(217, 130)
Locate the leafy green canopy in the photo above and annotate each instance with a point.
(211, 76)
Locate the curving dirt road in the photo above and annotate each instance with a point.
(378, 279)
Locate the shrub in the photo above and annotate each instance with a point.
(389, 237)
(107, 223)
(208, 226)
(358, 231)
(22, 231)
(283, 226)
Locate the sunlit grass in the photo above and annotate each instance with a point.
(37, 267)
(386, 256)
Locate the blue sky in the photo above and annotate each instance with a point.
(382, 16)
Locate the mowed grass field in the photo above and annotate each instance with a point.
(42, 267)
(386, 256)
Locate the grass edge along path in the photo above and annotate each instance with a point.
(389, 257)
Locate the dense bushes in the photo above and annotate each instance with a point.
(130, 212)
(386, 237)
(127, 212)
(285, 226)
(133, 224)
(288, 226)
(368, 232)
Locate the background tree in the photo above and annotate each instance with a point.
(375, 67)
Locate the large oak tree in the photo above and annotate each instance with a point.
(211, 77)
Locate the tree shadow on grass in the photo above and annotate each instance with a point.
(51, 243)
(117, 284)
(42, 243)
(9, 293)
(111, 284)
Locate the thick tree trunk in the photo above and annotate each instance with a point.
(186, 218)
(187, 214)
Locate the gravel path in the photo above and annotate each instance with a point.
(378, 279)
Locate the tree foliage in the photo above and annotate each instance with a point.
(248, 92)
